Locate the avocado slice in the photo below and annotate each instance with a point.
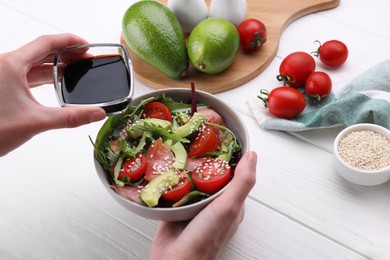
(191, 126)
(226, 151)
(179, 152)
(136, 133)
(156, 187)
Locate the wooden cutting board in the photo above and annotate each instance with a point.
(275, 14)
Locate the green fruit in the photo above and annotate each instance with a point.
(154, 34)
(213, 45)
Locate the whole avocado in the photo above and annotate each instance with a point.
(154, 34)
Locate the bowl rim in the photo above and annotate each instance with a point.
(244, 137)
(361, 126)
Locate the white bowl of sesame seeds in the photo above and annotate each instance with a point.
(185, 212)
(362, 154)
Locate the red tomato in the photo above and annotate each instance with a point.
(178, 191)
(133, 168)
(211, 176)
(284, 102)
(158, 110)
(318, 85)
(192, 163)
(295, 69)
(332, 53)
(159, 159)
(253, 34)
(206, 141)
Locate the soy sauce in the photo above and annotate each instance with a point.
(96, 80)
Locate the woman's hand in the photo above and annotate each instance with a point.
(21, 116)
(205, 236)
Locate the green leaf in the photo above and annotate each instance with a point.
(178, 107)
(189, 197)
(130, 151)
(159, 131)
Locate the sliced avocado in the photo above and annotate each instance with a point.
(183, 117)
(226, 151)
(191, 126)
(135, 133)
(156, 187)
(180, 154)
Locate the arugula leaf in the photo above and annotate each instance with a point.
(132, 152)
(190, 196)
(229, 145)
(117, 169)
(160, 131)
(178, 107)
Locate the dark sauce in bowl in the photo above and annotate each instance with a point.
(95, 80)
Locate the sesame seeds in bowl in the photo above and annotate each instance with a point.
(362, 154)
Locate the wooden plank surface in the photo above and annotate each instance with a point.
(53, 206)
(275, 14)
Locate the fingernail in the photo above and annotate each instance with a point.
(252, 156)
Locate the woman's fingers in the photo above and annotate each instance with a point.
(243, 180)
(39, 75)
(36, 52)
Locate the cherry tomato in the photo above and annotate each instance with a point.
(318, 85)
(133, 168)
(332, 53)
(158, 110)
(178, 191)
(295, 69)
(211, 176)
(206, 141)
(253, 34)
(283, 102)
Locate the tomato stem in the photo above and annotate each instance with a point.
(317, 52)
(285, 79)
(258, 39)
(264, 97)
(318, 98)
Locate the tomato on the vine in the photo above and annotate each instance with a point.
(158, 110)
(211, 176)
(318, 85)
(178, 191)
(253, 34)
(206, 141)
(283, 102)
(295, 68)
(332, 53)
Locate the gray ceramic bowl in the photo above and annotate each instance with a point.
(189, 211)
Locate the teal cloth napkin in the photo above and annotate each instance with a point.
(364, 99)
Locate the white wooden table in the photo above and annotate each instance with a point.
(53, 206)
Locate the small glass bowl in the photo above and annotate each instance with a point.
(354, 174)
(83, 76)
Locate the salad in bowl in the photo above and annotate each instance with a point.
(170, 153)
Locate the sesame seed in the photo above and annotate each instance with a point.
(365, 150)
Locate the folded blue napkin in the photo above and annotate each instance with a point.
(364, 99)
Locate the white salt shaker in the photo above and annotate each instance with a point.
(232, 10)
(189, 12)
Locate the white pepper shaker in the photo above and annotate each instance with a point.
(189, 12)
(232, 10)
